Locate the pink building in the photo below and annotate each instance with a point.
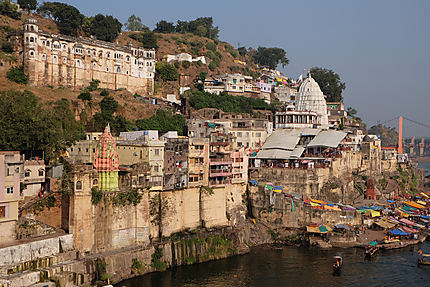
(11, 169)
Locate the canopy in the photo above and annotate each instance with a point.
(425, 216)
(329, 138)
(384, 224)
(406, 221)
(373, 243)
(318, 229)
(414, 204)
(398, 232)
(375, 213)
(342, 226)
(253, 182)
(391, 201)
(376, 207)
(277, 188)
(318, 201)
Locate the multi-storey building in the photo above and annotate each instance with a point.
(230, 83)
(220, 161)
(11, 169)
(240, 160)
(198, 158)
(175, 161)
(59, 60)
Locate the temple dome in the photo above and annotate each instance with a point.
(311, 98)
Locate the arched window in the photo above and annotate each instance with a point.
(32, 28)
(79, 185)
(27, 173)
(41, 172)
(95, 182)
(31, 53)
(31, 39)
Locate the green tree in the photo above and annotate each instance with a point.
(330, 83)
(389, 136)
(148, 39)
(202, 26)
(166, 72)
(69, 19)
(105, 28)
(85, 96)
(17, 75)
(242, 51)
(134, 23)
(9, 10)
(164, 27)
(270, 57)
(35, 129)
(28, 5)
(163, 121)
(108, 107)
(7, 47)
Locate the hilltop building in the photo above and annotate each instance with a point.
(64, 61)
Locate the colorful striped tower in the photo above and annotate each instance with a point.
(107, 162)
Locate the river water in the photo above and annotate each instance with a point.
(293, 266)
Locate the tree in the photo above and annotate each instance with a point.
(389, 136)
(10, 10)
(270, 57)
(329, 82)
(7, 47)
(85, 96)
(28, 5)
(69, 19)
(201, 26)
(134, 23)
(242, 51)
(105, 28)
(17, 75)
(163, 121)
(164, 27)
(35, 129)
(166, 72)
(148, 39)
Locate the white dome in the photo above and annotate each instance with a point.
(310, 98)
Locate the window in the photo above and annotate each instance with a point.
(41, 172)
(157, 151)
(78, 185)
(2, 211)
(9, 190)
(95, 182)
(43, 56)
(156, 168)
(27, 173)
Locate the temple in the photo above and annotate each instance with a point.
(107, 162)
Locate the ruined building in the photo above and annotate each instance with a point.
(64, 61)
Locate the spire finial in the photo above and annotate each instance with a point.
(309, 74)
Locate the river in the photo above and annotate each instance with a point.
(290, 266)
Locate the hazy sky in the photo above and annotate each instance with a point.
(379, 48)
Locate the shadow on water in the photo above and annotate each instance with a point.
(288, 266)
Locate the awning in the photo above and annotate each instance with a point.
(414, 204)
(385, 224)
(274, 154)
(297, 152)
(398, 232)
(342, 226)
(375, 213)
(327, 139)
(406, 221)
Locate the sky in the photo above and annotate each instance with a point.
(380, 48)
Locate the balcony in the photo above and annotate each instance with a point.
(217, 173)
(219, 182)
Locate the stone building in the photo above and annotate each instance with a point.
(63, 61)
(34, 177)
(175, 161)
(11, 168)
(198, 167)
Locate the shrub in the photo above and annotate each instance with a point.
(9, 9)
(85, 96)
(96, 195)
(94, 85)
(17, 75)
(186, 64)
(213, 65)
(211, 46)
(167, 72)
(7, 47)
(104, 93)
(177, 65)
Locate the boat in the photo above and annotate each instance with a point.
(370, 251)
(337, 265)
(424, 260)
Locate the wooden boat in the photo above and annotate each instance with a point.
(422, 260)
(370, 251)
(337, 265)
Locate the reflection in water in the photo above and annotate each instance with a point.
(290, 266)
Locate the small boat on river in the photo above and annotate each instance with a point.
(424, 260)
(337, 265)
